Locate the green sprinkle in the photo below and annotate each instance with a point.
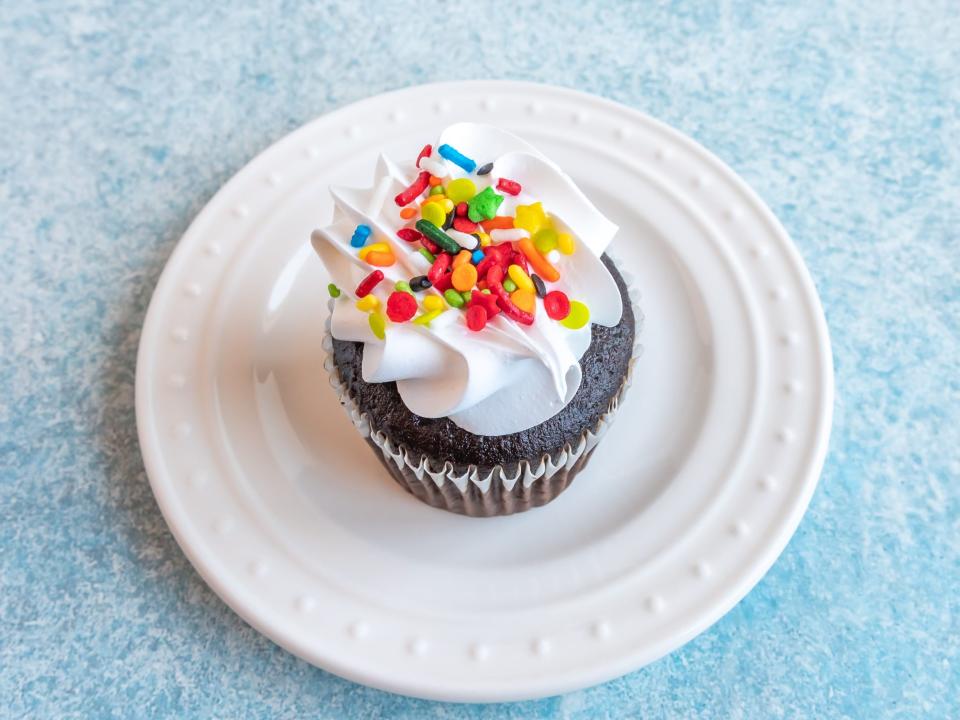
(438, 236)
(427, 317)
(467, 295)
(454, 298)
(428, 255)
(378, 323)
(509, 285)
(436, 190)
(403, 286)
(333, 290)
(483, 205)
(485, 292)
(545, 240)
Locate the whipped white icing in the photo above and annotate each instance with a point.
(507, 377)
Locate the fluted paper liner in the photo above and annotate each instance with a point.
(484, 491)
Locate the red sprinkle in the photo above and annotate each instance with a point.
(476, 318)
(494, 278)
(430, 245)
(462, 209)
(508, 186)
(409, 235)
(518, 258)
(401, 306)
(439, 268)
(427, 149)
(487, 302)
(412, 192)
(369, 283)
(557, 304)
(443, 283)
(465, 225)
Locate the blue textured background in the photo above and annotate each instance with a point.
(118, 121)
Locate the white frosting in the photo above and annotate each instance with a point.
(507, 377)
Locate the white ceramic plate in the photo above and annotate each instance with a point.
(689, 499)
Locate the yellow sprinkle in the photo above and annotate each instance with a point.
(375, 247)
(521, 278)
(432, 303)
(433, 198)
(426, 317)
(378, 323)
(448, 205)
(368, 303)
(565, 243)
(484, 239)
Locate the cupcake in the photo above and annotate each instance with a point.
(479, 336)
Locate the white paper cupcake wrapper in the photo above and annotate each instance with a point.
(472, 490)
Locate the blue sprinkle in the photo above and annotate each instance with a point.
(476, 257)
(360, 236)
(457, 158)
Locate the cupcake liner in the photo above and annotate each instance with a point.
(485, 491)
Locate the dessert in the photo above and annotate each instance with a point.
(479, 337)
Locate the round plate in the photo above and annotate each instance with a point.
(689, 499)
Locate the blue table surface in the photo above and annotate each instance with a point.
(119, 121)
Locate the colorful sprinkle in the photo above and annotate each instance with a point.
(461, 209)
(483, 205)
(432, 232)
(501, 222)
(434, 181)
(412, 192)
(531, 218)
(435, 190)
(484, 239)
(380, 259)
(468, 242)
(539, 263)
(408, 212)
(453, 298)
(509, 285)
(520, 277)
(578, 317)
(432, 303)
(526, 300)
(333, 290)
(485, 169)
(465, 225)
(368, 283)
(557, 305)
(565, 243)
(545, 240)
(464, 277)
(378, 324)
(508, 186)
(511, 235)
(464, 256)
(425, 153)
(420, 282)
(401, 306)
(433, 212)
(368, 303)
(427, 254)
(409, 234)
(435, 167)
(461, 190)
(402, 286)
(538, 285)
(476, 318)
(457, 158)
(376, 247)
(477, 256)
(360, 236)
(427, 317)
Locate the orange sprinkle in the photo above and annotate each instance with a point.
(524, 299)
(434, 181)
(464, 277)
(543, 267)
(501, 222)
(381, 259)
(408, 212)
(433, 198)
(462, 257)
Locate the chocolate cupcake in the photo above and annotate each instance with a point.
(479, 337)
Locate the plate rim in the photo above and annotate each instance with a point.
(724, 597)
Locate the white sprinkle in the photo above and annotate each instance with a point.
(508, 234)
(437, 168)
(468, 242)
